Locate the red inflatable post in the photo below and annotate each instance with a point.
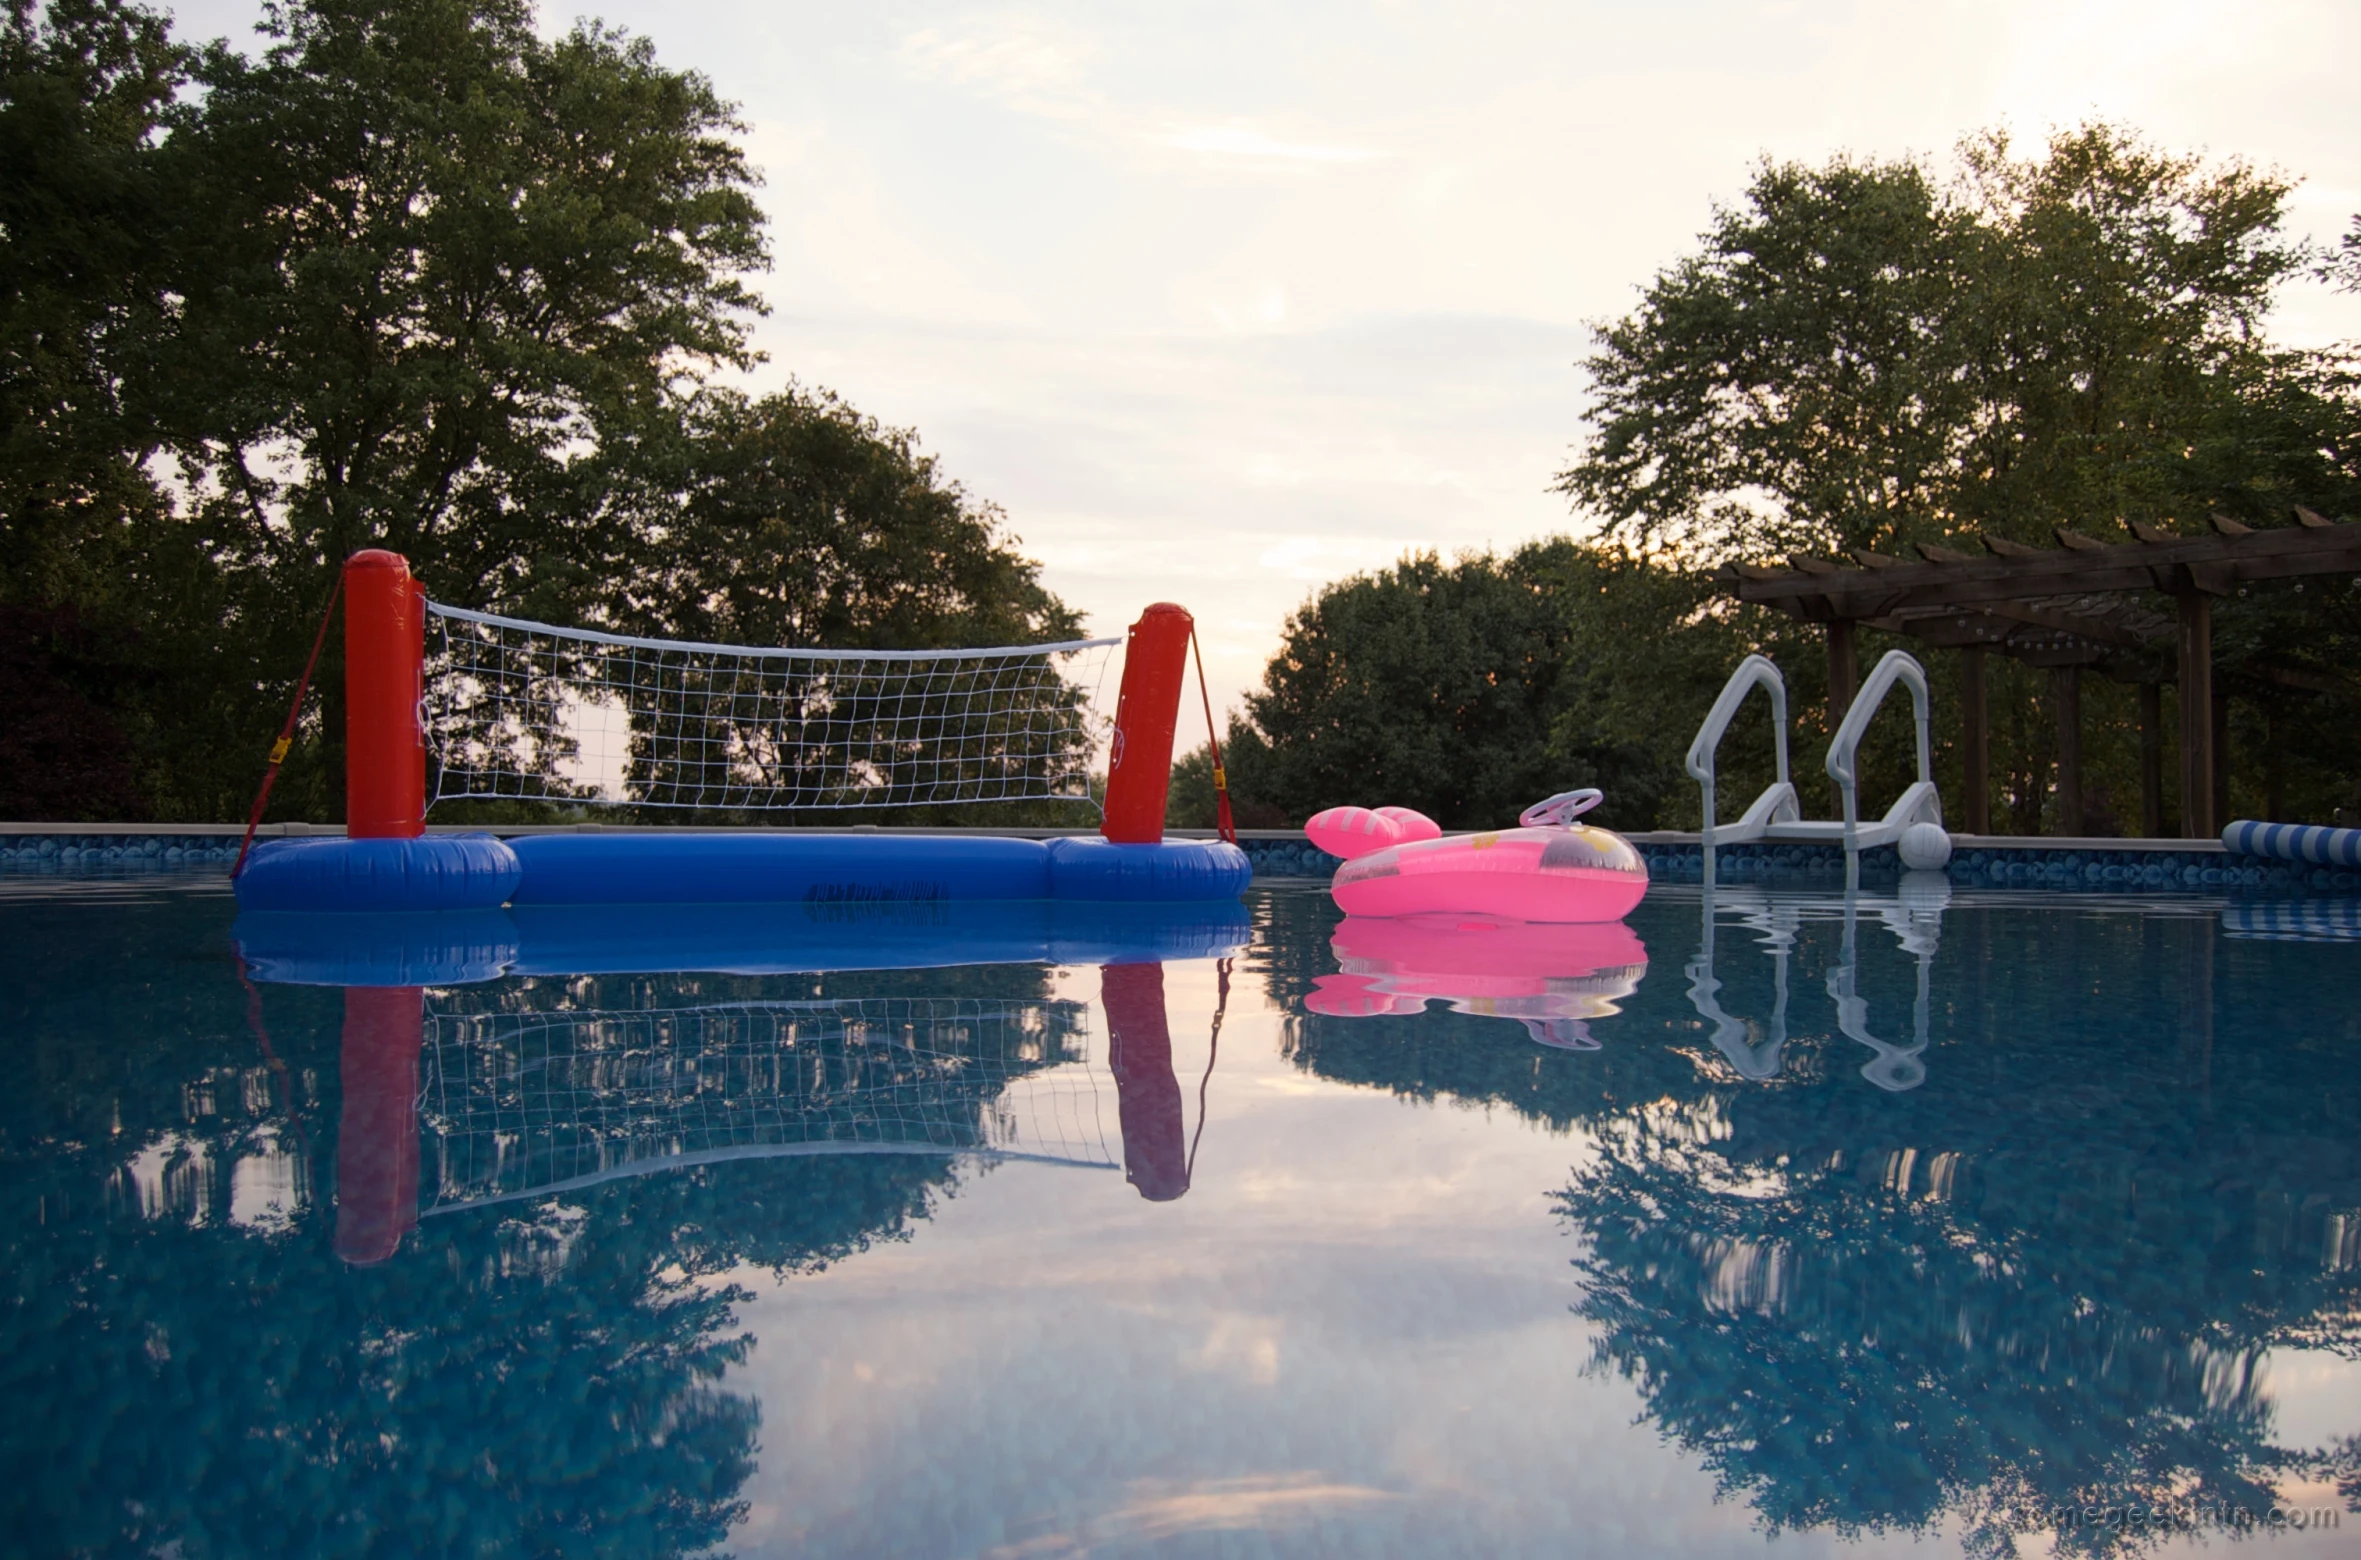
(1139, 766)
(384, 678)
(1147, 1096)
(377, 1143)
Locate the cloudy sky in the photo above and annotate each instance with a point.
(1224, 301)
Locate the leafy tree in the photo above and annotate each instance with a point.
(85, 86)
(1861, 357)
(1427, 685)
(1795, 383)
(457, 278)
(805, 523)
(438, 285)
(413, 276)
(1858, 358)
(1473, 690)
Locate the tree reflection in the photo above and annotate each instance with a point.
(192, 1368)
(2040, 1282)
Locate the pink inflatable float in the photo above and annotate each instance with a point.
(1548, 868)
(1551, 979)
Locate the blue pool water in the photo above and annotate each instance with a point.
(1940, 1224)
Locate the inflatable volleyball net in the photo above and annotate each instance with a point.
(522, 711)
(504, 709)
(444, 704)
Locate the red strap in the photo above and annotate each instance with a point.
(1221, 781)
(287, 732)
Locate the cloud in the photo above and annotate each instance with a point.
(1253, 144)
(1027, 66)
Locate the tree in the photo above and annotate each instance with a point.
(1793, 384)
(1857, 358)
(84, 88)
(456, 280)
(1472, 690)
(413, 277)
(1860, 358)
(425, 281)
(1426, 685)
(805, 523)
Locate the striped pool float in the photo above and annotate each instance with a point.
(2294, 842)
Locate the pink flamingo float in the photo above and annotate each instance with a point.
(1548, 868)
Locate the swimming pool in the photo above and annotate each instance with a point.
(1938, 1222)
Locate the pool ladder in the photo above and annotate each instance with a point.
(1775, 815)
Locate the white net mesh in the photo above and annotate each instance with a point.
(518, 1104)
(524, 711)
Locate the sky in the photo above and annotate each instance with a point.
(1222, 302)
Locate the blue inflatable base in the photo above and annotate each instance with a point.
(430, 872)
(477, 872)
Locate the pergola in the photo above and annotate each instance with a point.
(2077, 606)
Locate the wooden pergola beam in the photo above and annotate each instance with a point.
(2019, 600)
(2214, 565)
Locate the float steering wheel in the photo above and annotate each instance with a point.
(1561, 809)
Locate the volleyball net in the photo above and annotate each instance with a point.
(524, 711)
(521, 1104)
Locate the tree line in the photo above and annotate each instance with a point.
(410, 276)
(1869, 354)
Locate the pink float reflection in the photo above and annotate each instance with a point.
(1552, 977)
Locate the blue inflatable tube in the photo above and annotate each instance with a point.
(466, 946)
(478, 872)
(2294, 842)
(867, 869)
(853, 869)
(430, 872)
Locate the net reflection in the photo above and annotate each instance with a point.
(452, 1260)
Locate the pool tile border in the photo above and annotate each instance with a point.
(2065, 865)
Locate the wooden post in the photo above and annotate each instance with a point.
(1843, 671)
(2066, 690)
(2274, 768)
(2221, 759)
(1975, 747)
(2151, 761)
(2196, 672)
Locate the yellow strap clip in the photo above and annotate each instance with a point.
(279, 751)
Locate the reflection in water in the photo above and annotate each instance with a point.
(1551, 978)
(377, 1146)
(522, 1099)
(2036, 1276)
(1753, 1051)
(1914, 915)
(1139, 1054)
(1916, 919)
(534, 1367)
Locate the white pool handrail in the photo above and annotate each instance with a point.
(1895, 666)
(1753, 672)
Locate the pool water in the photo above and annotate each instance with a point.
(1921, 1224)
